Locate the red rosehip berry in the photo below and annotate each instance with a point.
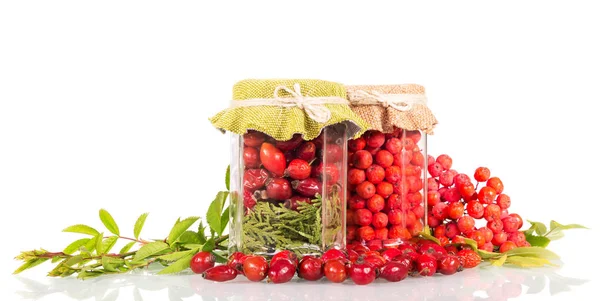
(466, 224)
(510, 224)
(475, 209)
(451, 230)
(335, 270)
(298, 169)
(403, 158)
(332, 254)
(251, 157)
(363, 217)
(518, 219)
(518, 238)
(447, 177)
(426, 265)
(503, 201)
(488, 246)
(281, 271)
(357, 144)
(440, 211)
(356, 176)
(507, 246)
(254, 138)
(393, 145)
(449, 265)
(399, 232)
(418, 159)
(310, 268)
(433, 249)
(375, 174)
(432, 184)
(366, 233)
(255, 179)
(333, 153)
(499, 238)
(393, 174)
(385, 189)
(482, 174)
(374, 258)
(365, 189)
(374, 139)
(255, 268)
(456, 210)
(445, 161)
(461, 179)
(487, 233)
(376, 203)
(486, 195)
(496, 184)
(306, 151)
(451, 195)
(492, 212)
(361, 272)
(220, 273)
(236, 260)
(307, 187)
(279, 189)
(394, 271)
(435, 169)
(356, 202)
(362, 159)
(469, 258)
(285, 255)
(384, 158)
(495, 225)
(272, 159)
(478, 238)
(466, 191)
(439, 231)
(202, 261)
(289, 144)
(433, 198)
(380, 235)
(380, 220)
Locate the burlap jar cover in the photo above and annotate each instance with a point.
(281, 108)
(386, 107)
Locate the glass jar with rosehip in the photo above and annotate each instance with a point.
(288, 165)
(387, 165)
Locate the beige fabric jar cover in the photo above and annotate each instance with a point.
(386, 107)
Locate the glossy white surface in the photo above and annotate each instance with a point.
(473, 284)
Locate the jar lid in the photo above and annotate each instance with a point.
(281, 108)
(386, 107)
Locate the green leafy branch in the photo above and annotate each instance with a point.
(91, 256)
(539, 235)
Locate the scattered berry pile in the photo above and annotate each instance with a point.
(288, 171)
(456, 206)
(385, 182)
(416, 257)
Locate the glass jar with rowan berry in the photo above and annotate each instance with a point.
(387, 181)
(288, 166)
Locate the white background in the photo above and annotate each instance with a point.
(105, 105)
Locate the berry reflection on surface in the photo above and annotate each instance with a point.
(473, 284)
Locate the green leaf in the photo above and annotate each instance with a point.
(209, 245)
(429, 237)
(189, 237)
(219, 257)
(90, 246)
(227, 177)
(201, 234)
(554, 235)
(150, 249)
(471, 243)
(532, 252)
(528, 262)
(111, 263)
(98, 244)
(73, 260)
(139, 224)
(83, 229)
(177, 255)
(30, 264)
(89, 274)
(193, 246)
(74, 246)
(488, 255)
(107, 244)
(178, 266)
(109, 222)
(127, 247)
(537, 227)
(213, 215)
(537, 241)
(500, 261)
(180, 228)
(556, 225)
(224, 220)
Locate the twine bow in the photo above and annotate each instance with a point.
(312, 106)
(400, 102)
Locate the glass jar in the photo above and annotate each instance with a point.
(387, 176)
(289, 165)
(288, 195)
